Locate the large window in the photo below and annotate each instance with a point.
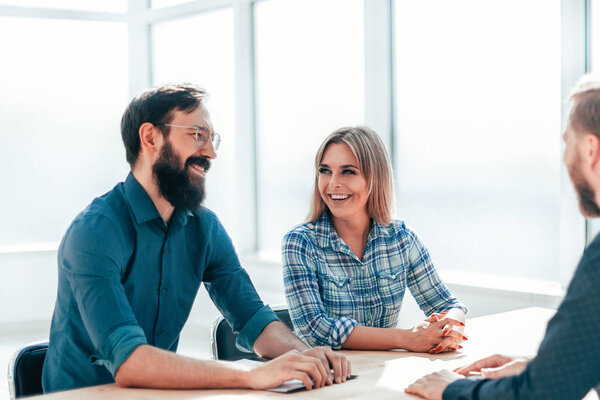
(467, 94)
(199, 49)
(310, 81)
(60, 110)
(478, 151)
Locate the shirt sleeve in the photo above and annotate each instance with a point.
(91, 259)
(308, 315)
(430, 293)
(232, 291)
(567, 365)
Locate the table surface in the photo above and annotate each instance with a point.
(381, 374)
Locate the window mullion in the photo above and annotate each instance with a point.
(573, 65)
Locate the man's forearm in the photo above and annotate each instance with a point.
(152, 367)
(277, 339)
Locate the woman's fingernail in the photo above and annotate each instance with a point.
(462, 323)
(465, 338)
(459, 346)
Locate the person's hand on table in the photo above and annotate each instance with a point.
(435, 335)
(291, 365)
(433, 385)
(331, 361)
(494, 367)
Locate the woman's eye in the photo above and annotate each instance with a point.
(348, 172)
(323, 170)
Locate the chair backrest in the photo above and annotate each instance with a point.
(222, 338)
(25, 370)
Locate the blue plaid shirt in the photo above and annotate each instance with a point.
(329, 290)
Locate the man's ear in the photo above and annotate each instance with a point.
(149, 138)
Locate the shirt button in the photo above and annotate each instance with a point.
(164, 291)
(166, 251)
(160, 332)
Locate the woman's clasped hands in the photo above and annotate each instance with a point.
(438, 334)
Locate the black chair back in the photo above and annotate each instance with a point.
(223, 339)
(25, 370)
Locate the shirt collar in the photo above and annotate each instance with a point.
(327, 236)
(378, 230)
(143, 207)
(324, 232)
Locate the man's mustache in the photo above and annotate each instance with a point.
(198, 160)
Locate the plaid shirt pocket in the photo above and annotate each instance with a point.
(390, 289)
(336, 292)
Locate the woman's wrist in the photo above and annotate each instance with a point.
(402, 338)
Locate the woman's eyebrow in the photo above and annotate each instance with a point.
(341, 166)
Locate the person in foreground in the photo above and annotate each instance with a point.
(346, 270)
(567, 364)
(130, 266)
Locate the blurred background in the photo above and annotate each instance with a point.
(470, 97)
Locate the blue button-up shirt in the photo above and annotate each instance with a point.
(125, 278)
(329, 290)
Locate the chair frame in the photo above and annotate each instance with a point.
(219, 319)
(13, 363)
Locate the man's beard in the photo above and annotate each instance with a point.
(175, 183)
(585, 193)
(587, 200)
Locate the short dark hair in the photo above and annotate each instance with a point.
(156, 106)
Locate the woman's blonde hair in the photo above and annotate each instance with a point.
(374, 163)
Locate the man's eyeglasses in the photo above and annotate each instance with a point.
(200, 135)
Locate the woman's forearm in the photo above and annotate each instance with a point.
(369, 338)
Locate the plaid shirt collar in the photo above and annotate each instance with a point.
(327, 236)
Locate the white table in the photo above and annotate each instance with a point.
(381, 374)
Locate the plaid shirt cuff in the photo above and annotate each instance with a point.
(340, 331)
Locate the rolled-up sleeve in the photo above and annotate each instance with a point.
(311, 323)
(253, 328)
(232, 291)
(91, 259)
(426, 286)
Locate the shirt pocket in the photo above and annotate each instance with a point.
(391, 288)
(337, 296)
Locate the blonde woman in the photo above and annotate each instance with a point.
(346, 269)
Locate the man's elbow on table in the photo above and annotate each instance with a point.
(130, 369)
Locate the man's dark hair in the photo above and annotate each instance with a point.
(156, 106)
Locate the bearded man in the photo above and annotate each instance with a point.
(131, 263)
(567, 365)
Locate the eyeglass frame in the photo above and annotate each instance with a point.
(215, 138)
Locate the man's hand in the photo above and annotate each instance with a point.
(433, 385)
(291, 365)
(494, 367)
(331, 360)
